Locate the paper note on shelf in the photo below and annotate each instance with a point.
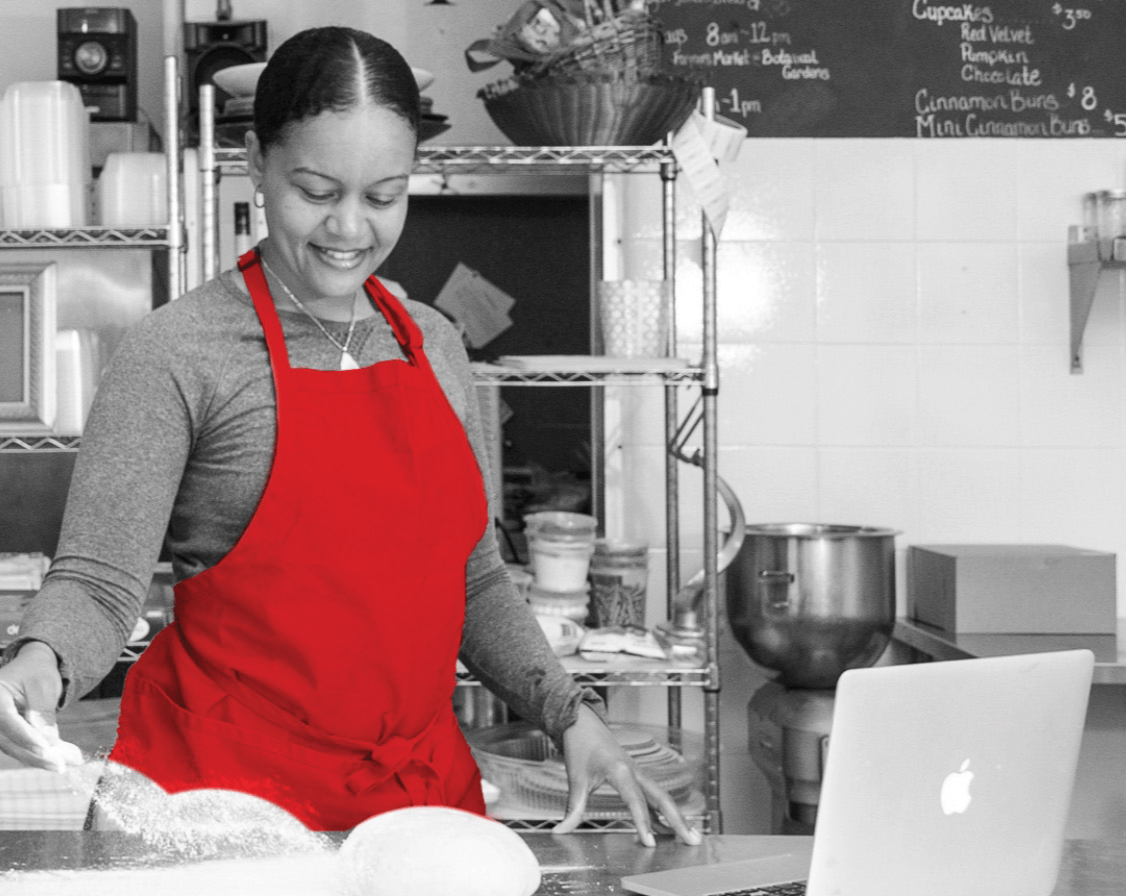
(622, 639)
(479, 306)
(694, 154)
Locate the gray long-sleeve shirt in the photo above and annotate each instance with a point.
(180, 441)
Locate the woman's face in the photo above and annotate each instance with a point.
(335, 193)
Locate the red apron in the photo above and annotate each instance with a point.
(314, 665)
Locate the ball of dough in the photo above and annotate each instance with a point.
(436, 851)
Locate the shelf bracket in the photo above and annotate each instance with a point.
(1086, 261)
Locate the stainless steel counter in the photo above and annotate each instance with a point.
(1109, 650)
(572, 864)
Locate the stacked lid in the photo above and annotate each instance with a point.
(44, 156)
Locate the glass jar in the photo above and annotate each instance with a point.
(1112, 214)
(619, 578)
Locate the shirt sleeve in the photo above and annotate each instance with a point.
(134, 447)
(502, 643)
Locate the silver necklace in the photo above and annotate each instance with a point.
(347, 361)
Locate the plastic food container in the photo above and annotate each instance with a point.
(132, 190)
(560, 545)
(634, 317)
(560, 523)
(573, 605)
(560, 565)
(44, 155)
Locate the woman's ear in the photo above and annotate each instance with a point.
(254, 159)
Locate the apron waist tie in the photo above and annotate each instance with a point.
(392, 758)
(417, 777)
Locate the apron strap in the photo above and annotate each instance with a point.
(406, 331)
(251, 267)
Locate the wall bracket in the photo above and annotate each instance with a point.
(1086, 261)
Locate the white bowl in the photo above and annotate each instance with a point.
(241, 80)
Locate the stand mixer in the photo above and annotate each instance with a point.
(807, 601)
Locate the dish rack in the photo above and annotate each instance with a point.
(523, 763)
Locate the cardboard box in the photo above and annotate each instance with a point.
(1012, 588)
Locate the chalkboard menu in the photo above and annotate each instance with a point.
(906, 68)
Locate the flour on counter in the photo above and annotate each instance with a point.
(294, 875)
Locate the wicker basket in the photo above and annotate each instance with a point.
(612, 40)
(627, 44)
(590, 110)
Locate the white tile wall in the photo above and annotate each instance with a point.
(965, 190)
(862, 195)
(866, 292)
(969, 495)
(968, 294)
(867, 394)
(894, 329)
(969, 395)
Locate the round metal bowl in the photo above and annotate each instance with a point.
(810, 600)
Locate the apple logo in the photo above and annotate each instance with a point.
(955, 796)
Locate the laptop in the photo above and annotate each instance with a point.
(940, 778)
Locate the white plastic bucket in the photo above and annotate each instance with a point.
(560, 544)
(44, 205)
(560, 565)
(44, 151)
(132, 190)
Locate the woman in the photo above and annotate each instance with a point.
(313, 453)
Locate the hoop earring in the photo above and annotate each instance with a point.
(259, 199)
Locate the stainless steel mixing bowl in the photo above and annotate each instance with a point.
(811, 600)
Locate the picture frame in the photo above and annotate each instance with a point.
(28, 303)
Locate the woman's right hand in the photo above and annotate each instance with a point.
(30, 687)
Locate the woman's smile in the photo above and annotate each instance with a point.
(340, 259)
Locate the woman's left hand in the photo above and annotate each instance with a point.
(592, 756)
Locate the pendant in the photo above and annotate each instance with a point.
(347, 362)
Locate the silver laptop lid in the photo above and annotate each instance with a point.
(941, 778)
(951, 777)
